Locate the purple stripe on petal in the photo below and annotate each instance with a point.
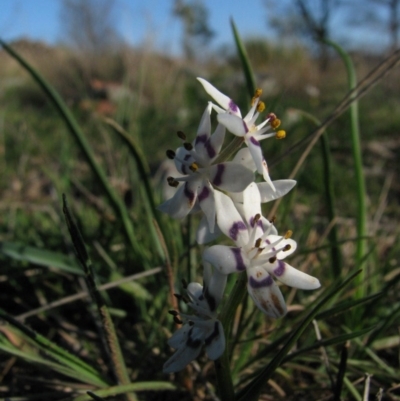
(246, 129)
(234, 230)
(208, 340)
(218, 177)
(254, 141)
(240, 266)
(232, 106)
(266, 282)
(204, 194)
(187, 157)
(201, 139)
(189, 194)
(210, 150)
(280, 269)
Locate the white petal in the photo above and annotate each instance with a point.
(215, 341)
(231, 177)
(226, 259)
(219, 97)
(178, 339)
(204, 152)
(206, 200)
(233, 124)
(243, 156)
(229, 220)
(181, 203)
(203, 234)
(292, 277)
(215, 289)
(282, 187)
(251, 203)
(260, 162)
(217, 140)
(184, 355)
(265, 293)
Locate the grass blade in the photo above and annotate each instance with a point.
(39, 257)
(358, 169)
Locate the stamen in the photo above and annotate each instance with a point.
(172, 182)
(177, 320)
(170, 154)
(273, 220)
(287, 247)
(272, 260)
(194, 167)
(260, 107)
(288, 234)
(258, 92)
(181, 135)
(271, 117)
(173, 312)
(188, 146)
(258, 243)
(275, 123)
(280, 134)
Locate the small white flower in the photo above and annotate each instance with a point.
(201, 329)
(230, 116)
(259, 251)
(200, 176)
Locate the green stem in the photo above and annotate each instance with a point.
(222, 365)
(358, 169)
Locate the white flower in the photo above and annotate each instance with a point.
(201, 329)
(230, 116)
(259, 251)
(200, 176)
(267, 194)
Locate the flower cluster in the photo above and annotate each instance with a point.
(226, 194)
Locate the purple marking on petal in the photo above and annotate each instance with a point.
(189, 194)
(254, 141)
(208, 340)
(204, 194)
(218, 177)
(183, 169)
(246, 129)
(234, 230)
(280, 269)
(232, 106)
(210, 150)
(187, 157)
(240, 266)
(201, 139)
(266, 282)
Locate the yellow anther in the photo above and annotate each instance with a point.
(288, 234)
(281, 134)
(194, 167)
(275, 123)
(258, 92)
(260, 107)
